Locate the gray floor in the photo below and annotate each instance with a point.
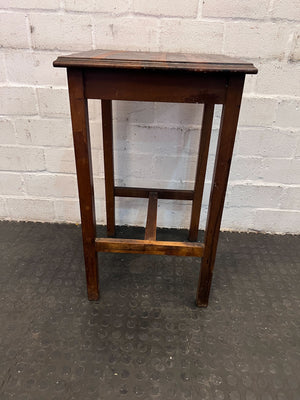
(145, 338)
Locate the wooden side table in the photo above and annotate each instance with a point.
(161, 77)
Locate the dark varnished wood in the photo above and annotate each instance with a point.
(111, 245)
(150, 232)
(108, 156)
(188, 78)
(155, 60)
(207, 121)
(229, 120)
(171, 194)
(81, 138)
(153, 85)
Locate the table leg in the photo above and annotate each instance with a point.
(229, 120)
(207, 121)
(107, 129)
(82, 147)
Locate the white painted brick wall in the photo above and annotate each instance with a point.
(235, 9)
(178, 8)
(135, 33)
(18, 100)
(256, 39)
(156, 143)
(183, 35)
(13, 30)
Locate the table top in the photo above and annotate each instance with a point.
(155, 61)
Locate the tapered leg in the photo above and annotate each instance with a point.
(224, 151)
(207, 120)
(107, 128)
(82, 147)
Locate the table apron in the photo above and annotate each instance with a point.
(162, 86)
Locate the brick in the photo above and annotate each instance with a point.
(13, 158)
(177, 168)
(7, 133)
(280, 170)
(62, 32)
(217, 116)
(253, 39)
(2, 69)
(291, 198)
(295, 54)
(277, 221)
(67, 210)
(17, 101)
(257, 111)
(238, 219)
(121, 33)
(135, 112)
(278, 78)
(30, 209)
(151, 140)
(250, 81)
(11, 184)
(100, 212)
(266, 142)
(131, 211)
(190, 138)
(173, 213)
(297, 149)
(97, 162)
(50, 185)
(99, 186)
(253, 196)
(96, 134)
(178, 114)
(53, 102)
(288, 114)
(176, 8)
(3, 210)
(101, 6)
(60, 160)
(13, 30)
(245, 168)
(44, 132)
(235, 9)
(191, 36)
(129, 167)
(287, 9)
(45, 4)
(34, 69)
(279, 143)
(94, 109)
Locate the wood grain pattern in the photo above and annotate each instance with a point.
(149, 85)
(133, 246)
(150, 232)
(186, 78)
(155, 60)
(108, 156)
(229, 120)
(82, 147)
(207, 120)
(171, 194)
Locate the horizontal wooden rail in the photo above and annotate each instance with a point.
(172, 194)
(112, 245)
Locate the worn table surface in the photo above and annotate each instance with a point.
(155, 60)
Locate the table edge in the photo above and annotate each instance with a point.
(180, 66)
